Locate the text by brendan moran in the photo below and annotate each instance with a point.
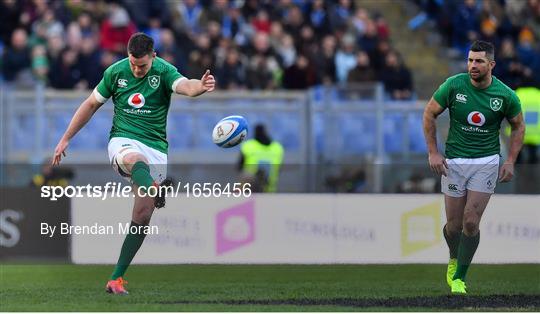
(95, 229)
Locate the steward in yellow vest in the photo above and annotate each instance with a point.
(261, 159)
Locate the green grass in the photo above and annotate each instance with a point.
(255, 287)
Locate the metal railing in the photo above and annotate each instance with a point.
(304, 112)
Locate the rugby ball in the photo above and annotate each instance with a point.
(230, 131)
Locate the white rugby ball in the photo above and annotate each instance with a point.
(230, 131)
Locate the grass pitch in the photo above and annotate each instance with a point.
(268, 288)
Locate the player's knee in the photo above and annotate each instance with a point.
(470, 225)
(454, 226)
(131, 159)
(142, 218)
(143, 214)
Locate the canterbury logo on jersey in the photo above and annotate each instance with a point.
(122, 83)
(461, 98)
(476, 118)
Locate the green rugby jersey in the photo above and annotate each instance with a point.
(475, 115)
(140, 104)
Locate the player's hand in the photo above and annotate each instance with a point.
(60, 151)
(506, 173)
(438, 164)
(208, 82)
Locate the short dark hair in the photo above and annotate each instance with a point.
(140, 45)
(487, 47)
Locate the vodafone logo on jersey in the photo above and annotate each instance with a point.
(136, 100)
(476, 118)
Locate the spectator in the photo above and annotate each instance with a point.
(325, 60)
(396, 78)
(369, 40)
(40, 63)
(232, 73)
(260, 73)
(234, 26)
(286, 50)
(261, 23)
(340, 13)
(345, 58)
(294, 21)
(383, 31)
(88, 29)
(307, 43)
(300, 75)
(465, 22)
(378, 56)
(16, 59)
(359, 21)
(318, 17)
(116, 30)
(187, 17)
(265, 60)
(170, 51)
(66, 74)
(89, 60)
(363, 71)
(10, 14)
(74, 36)
(145, 13)
(46, 26)
(207, 31)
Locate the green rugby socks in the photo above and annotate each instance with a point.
(467, 248)
(140, 174)
(131, 245)
(452, 241)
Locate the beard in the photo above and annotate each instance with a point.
(479, 77)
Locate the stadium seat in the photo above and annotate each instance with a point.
(417, 143)
(180, 131)
(204, 125)
(393, 132)
(285, 129)
(23, 132)
(357, 132)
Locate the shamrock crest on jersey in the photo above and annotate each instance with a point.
(153, 80)
(495, 103)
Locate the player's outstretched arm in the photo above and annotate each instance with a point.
(506, 173)
(195, 87)
(80, 118)
(437, 163)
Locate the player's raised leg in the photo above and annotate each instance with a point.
(470, 236)
(135, 165)
(454, 207)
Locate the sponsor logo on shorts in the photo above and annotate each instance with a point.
(495, 103)
(452, 187)
(461, 98)
(489, 184)
(476, 118)
(126, 145)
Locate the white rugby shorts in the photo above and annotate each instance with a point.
(473, 174)
(157, 161)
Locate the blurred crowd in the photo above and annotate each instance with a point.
(248, 44)
(513, 26)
